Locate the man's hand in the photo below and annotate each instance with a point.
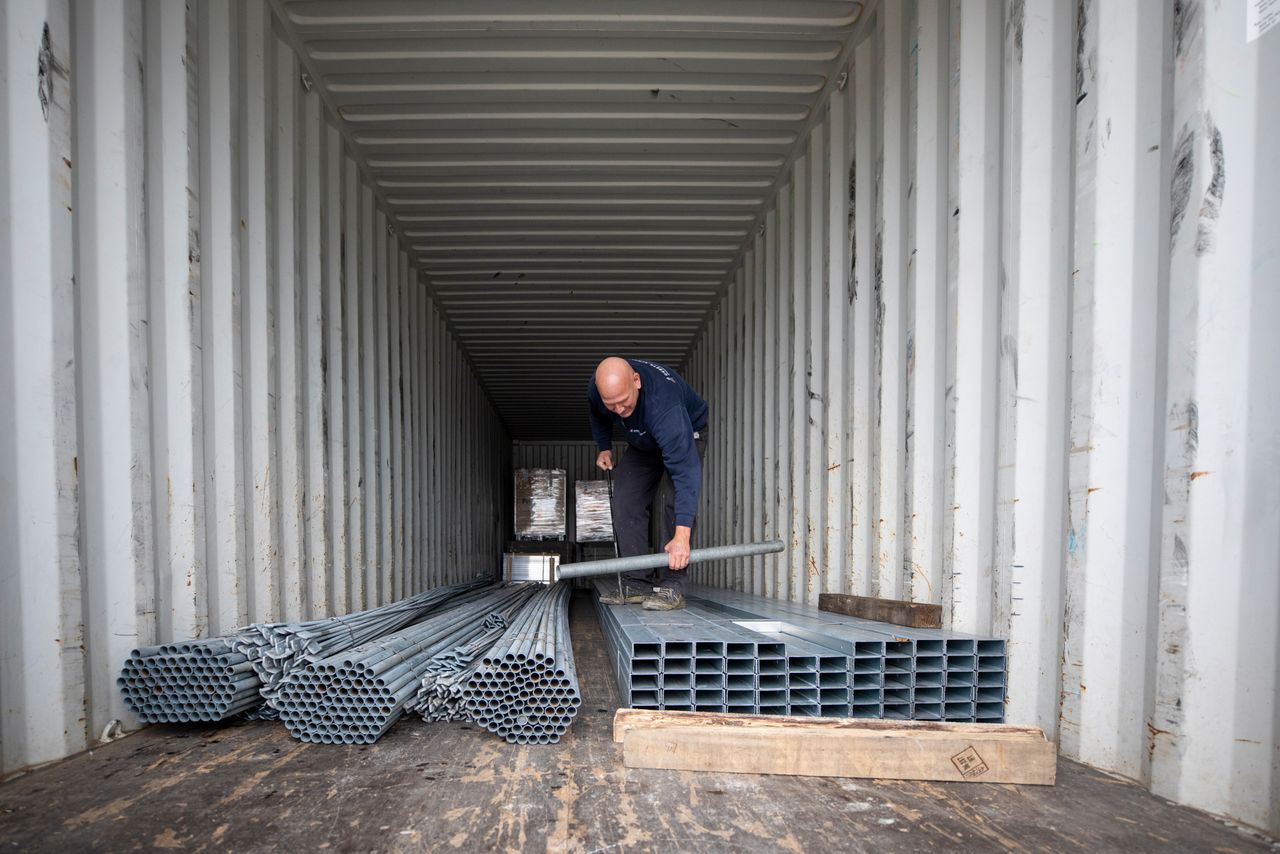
(678, 549)
(604, 460)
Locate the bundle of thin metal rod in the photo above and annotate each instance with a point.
(526, 687)
(442, 696)
(355, 696)
(278, 649)
(196, 680)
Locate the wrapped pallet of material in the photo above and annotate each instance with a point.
(592, 517)
(540, 504)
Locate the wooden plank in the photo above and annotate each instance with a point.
(917, 615)
(626, 721)
(831, 747)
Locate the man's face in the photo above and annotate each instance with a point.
(623, 403)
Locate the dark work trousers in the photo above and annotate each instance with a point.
(635, 483)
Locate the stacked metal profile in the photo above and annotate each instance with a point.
(525, 689)
(928, 674)
(733, 652)
(276, 650)
(355, 696)
(196, 680)
(529, 567)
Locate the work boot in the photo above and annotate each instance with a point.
(632, 594)
(664, 599)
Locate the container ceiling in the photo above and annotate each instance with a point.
(578, 178)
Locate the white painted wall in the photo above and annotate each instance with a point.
(1052, 396)
(226, 396)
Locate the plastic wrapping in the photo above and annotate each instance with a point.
(593, 521)
(540, 504)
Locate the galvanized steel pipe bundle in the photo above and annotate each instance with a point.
(278, 649)
(526, 687)
(442, 695)
(355, 696)
(588, 568)
(197, 680)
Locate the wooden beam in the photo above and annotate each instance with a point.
(626, 721)
(917, 615)
(835, 747)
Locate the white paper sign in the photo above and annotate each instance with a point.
(1260, 16)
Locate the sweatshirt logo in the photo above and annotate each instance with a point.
(666, 375)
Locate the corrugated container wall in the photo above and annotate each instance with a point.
(1006, 341)
(226, 395)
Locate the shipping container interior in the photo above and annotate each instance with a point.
(982, 297)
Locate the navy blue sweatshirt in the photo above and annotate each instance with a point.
(667, 413)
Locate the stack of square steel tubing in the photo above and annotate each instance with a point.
(733, 652)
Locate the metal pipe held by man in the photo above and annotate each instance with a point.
(589, 568)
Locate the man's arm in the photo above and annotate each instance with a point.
(674, 435)
(679, 549)
(601, 421)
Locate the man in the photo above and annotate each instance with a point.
(665, 423)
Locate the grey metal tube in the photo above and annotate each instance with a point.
(588, 568)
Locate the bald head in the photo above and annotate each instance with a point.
(618, 384)
(613, 375)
